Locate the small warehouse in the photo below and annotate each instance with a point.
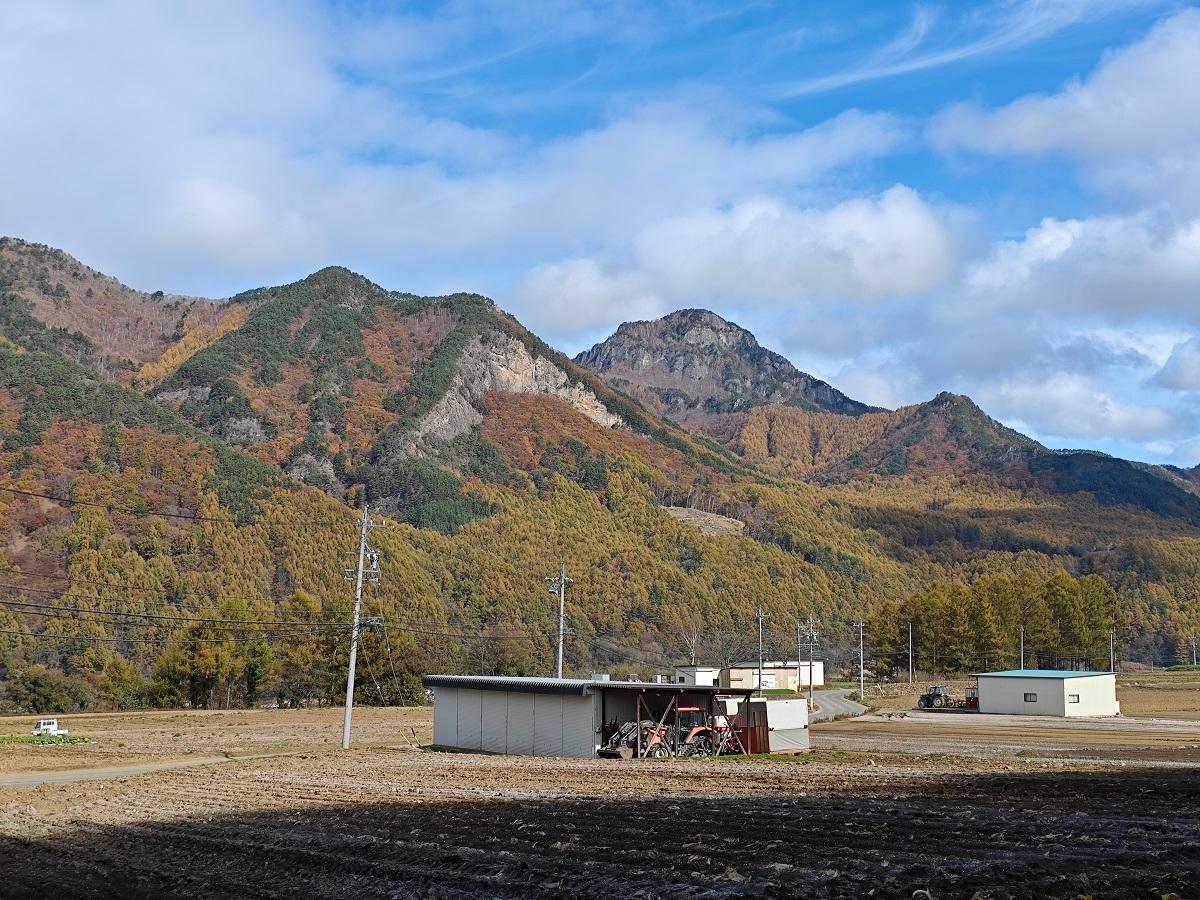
(706, 675)
(786, 674)
(590, 717)
(1048, 692)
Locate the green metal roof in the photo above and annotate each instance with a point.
(1037, 673)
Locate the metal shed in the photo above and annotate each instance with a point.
(550, 716)
(1048, 692)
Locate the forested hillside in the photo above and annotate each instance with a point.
(176, 526)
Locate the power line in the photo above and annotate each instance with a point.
(112, 507)
(113, 640)
(166, 618)
(517, 628)
(62, 596)
(72, 580)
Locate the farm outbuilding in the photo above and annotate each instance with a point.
(558, 716)
(1048, 692)
(784, 674)
(706, 675)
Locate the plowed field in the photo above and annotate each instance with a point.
(379, 823)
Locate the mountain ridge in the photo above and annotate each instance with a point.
(692, 363)
(491, 453)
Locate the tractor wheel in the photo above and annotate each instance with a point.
(939, 702)
(922, 703)
(701, 746)
(658, 751)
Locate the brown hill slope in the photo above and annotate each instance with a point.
(125, 330)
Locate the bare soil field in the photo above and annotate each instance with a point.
(123, 739)
(955, 805)
(1000, 737)
(1166, 695)
(386, 823)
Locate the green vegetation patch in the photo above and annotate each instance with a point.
(40, 740)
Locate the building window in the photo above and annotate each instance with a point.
(1031, 698)
(1072, 698)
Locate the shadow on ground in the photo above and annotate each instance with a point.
(1020, 835)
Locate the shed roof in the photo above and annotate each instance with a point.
(569, 686)
(1038, 673)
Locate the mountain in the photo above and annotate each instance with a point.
(184, 503)
(123, 333)
(692, 365)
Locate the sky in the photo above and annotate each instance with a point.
(1000, 199)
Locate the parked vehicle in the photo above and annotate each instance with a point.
(939, 697)
(49, 728)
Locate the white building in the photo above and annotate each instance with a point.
(703, 675)
(784, 674)
(1048, 692)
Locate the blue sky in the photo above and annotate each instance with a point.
(996, 198)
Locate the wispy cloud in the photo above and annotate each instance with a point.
(996, 29)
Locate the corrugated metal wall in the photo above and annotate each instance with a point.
(445, 717)
(512, 722)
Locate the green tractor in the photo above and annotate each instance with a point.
(939, 697)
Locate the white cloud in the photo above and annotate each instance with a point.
(1118, 266)
(1134, 104)
(1181, 372)
(765, 251)
(578, 295)
(994, 28)
(1134, 122)
(1071, 406)
(862, 249)
(309, 163)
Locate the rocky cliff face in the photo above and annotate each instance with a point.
(502, 363)
(693, 364)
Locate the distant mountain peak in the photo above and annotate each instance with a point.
(693, 363)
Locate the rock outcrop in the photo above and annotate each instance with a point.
(498, 362)
(692, 364)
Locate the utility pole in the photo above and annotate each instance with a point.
(366, 571)
(558, 585)
(1193, 649)
(1112, 653)
(1022, 663)
(810, 634)
(910, 656)
(760, 615)
(862, 687)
